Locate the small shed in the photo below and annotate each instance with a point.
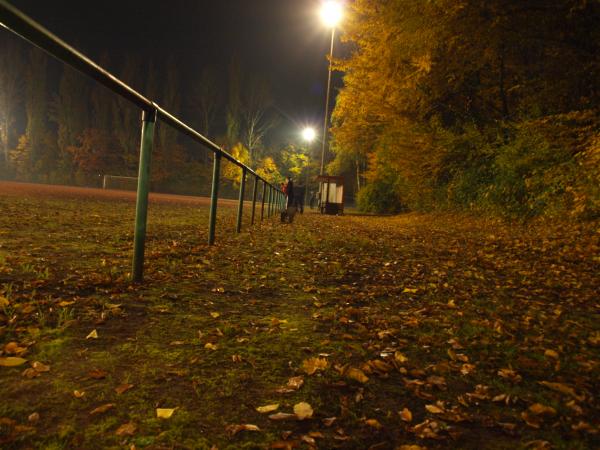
(331, 194)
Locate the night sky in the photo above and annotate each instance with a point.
(282, 40)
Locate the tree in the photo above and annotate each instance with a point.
(69, 110)
(126, 118)
(11, 91)
(256, 101)
(206, 98)
(97, 152)
(434, 92)
(36, 102)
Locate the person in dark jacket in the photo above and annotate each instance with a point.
(289, 190)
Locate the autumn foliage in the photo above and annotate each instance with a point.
(490, 106)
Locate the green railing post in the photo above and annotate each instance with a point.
(141, 207)
(214, 198)
(254, 191)
(262, 201)
(241, 202)
(270, 204)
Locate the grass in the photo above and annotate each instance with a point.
(215, 331)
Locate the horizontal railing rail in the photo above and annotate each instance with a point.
(17, 22)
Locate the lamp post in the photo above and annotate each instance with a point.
(309, 135)
(331, 14)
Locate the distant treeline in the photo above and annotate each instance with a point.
(57, 126)
(462, 104)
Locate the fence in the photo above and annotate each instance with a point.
(272, 197)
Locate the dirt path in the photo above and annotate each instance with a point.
(422, 330)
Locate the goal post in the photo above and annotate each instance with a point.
(119, 183)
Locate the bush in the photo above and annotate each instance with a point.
(379, 196)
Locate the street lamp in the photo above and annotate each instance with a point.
(331, 14)
(309, 134)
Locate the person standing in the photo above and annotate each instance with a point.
(289, 190)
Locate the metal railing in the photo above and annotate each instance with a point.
(22, 25)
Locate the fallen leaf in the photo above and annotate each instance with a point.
(268, 408)
(78, 394)
(563, 389)
(328, 421)
(282, 416)
(400, 358)
(541, 410)
(65, 303)
(309, 440)
(12, 361)
(102, 409)
(510, 374)
(551, 354)
(164, 413)
(210, 346)
(356, 374)
(406, 415)
(123, 388)
(234, 429)
(215, 315)
(12, 348)
(374, 423)
(127, 429)
(33, 417)
(410, 291)
(39, 367)
(303, 410)
(30, 373)
(434, 409)
(93, 335)
(295, 383)
(466, 369)
(311, 365)
(97, 374)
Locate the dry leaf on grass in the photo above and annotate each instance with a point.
(127, 429)
(303, 410)
(406, 415)
(215, 315)
(434, 409)
(210, 346)
(11, 361)
(563, 389)
(102, 409)
(541, 410)
(234, 429)
(78, 394)
(311, 365)
(93, 335)
(268, 408)
(356, 374)
(282, 416)
(30, 373)
(400, 357)
(123, 388)
(97, 374)
(374, 423)
(39, 367)
(164, 413)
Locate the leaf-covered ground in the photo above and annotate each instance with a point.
(351, 332)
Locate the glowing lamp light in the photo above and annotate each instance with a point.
(309, 134)
(331, 13)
